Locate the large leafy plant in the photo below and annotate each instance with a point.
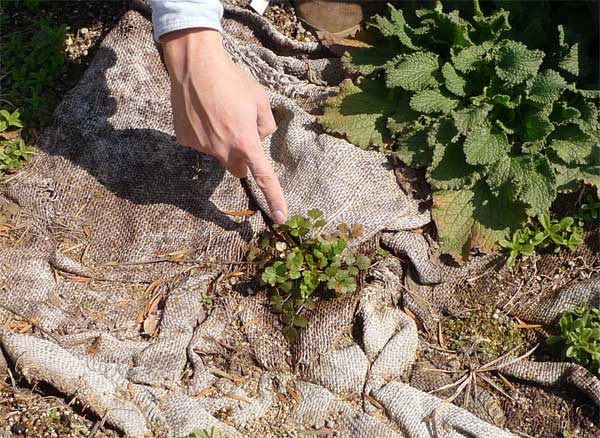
(498, 131)
(303, 265)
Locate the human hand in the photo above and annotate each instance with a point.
(219, 110)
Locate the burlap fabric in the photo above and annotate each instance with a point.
(120, 216)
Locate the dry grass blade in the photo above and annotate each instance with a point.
(467, 380)
(495, 386)
(179, 254)
(220, 373)
(374, 402)
(460, 381)
(153, 294)
(204, 392)
(525, 326)
(72, 248)
(506, 381)
(439, 370)
(489, 366)
(249, 324)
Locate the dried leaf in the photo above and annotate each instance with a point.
(87, 230)
(10, 135)
(294, 393)
(249, 324)
(241, 213)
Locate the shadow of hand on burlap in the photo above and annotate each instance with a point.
(116, 126)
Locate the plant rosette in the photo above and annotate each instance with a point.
(305, 265)
(499, 128)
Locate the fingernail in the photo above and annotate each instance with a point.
(279, 216)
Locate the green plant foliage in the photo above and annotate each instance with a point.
(204, 433)
(547, 233)
(484, 331)
(303, 265)
(579, 337)
(8, 120)
(53, 414)
(589, 211)
(13, 154)
(500, 128)
(32, 61)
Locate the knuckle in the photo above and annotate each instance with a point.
(264, 180)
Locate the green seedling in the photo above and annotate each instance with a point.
(579, 337)
(8, 120)
(13, 154)
(204, 433)
(305, 264)
(548, 233)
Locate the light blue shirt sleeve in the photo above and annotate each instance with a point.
(168, 16)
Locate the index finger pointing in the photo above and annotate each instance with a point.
(267, 181)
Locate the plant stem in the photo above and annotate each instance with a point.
(477, 8)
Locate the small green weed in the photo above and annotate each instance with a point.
(589, 210)
(547, 233)
(53, 414)
(204, 433)
(8, 119)
(13, 152)
(580, 337)
(301, 265)
(32, 62)
(486, 332)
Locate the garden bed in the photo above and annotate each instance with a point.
(532, 411)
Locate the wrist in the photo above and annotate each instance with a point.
(197, 45)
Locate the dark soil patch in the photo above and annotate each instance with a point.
(543, 413)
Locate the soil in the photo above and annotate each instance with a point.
(283, 16)
(37, 411)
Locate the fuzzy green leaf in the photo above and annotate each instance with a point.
(452, 30)
(537, 126)
(536, 183)
(449, 169)
(501, 173)
(485, 145)
(563, 113)
(432, 101)
(573, 146)
(453, 215)
(366, 60)
(360, 112)
(469, 58)
(414, 72)
(453, 82)
(469, 218)
(413, 150)
(493, 26)
(515, 62)
(570, 61)
(405, 120)
(471, 118)
(546, 87)
(570, 177)
(395, 26)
